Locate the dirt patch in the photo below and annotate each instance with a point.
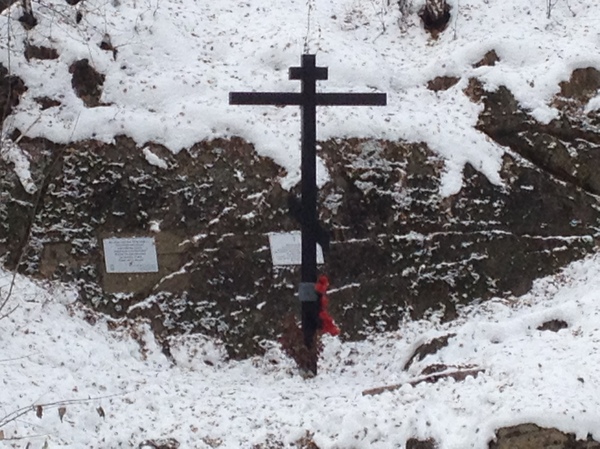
(47, 103)
(435, 16)
(489, 59)
(11, 89)
(39, 52)
(442, 83)
(474, 90)
(553, 325)
(86, 82)
(583, 85)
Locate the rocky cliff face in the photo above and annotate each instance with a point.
(397, 246)
(566, 148)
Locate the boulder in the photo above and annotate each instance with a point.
(531, 436)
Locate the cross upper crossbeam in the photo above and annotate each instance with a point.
(308, 70)
(309, 74)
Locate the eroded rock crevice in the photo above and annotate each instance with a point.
(567, 147)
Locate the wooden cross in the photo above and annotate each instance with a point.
(308, 99)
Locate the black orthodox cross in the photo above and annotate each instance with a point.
(308, 99)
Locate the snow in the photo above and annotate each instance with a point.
(11, 152)
(54, 351)
(177, 60)
(154, 159)
(593, 105)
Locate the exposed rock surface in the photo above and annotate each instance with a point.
(414, 443)
(487, 240)
(553, 325)
(166, 443)
(567, 147)
(397, 246)
(530, 436)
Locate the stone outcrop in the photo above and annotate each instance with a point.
(567, 147)
(414, 443)
(397, 247)
(531, 436)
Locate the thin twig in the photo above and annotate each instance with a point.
(26, 437)
(28, 129)
(10, 312)
(16, 414)
(9, 93)
(570, 9)
(3, 118)
(309, 4)
(15, 359)
(26, 238)
(456, 375)
(456, 19)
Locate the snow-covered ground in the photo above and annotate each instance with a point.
(177, 61)
(50, 353)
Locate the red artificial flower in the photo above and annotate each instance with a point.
(327, 324)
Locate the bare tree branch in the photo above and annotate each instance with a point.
(456, 375)
(38, 408)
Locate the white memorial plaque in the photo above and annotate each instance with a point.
(286, 248)
(130, 255)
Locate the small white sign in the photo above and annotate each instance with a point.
(130, 255)
(286, 248)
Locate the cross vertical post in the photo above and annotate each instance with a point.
(308, 73)
(308, 99)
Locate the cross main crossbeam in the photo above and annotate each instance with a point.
(296, 99)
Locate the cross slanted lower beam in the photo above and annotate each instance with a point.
(308, 99)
